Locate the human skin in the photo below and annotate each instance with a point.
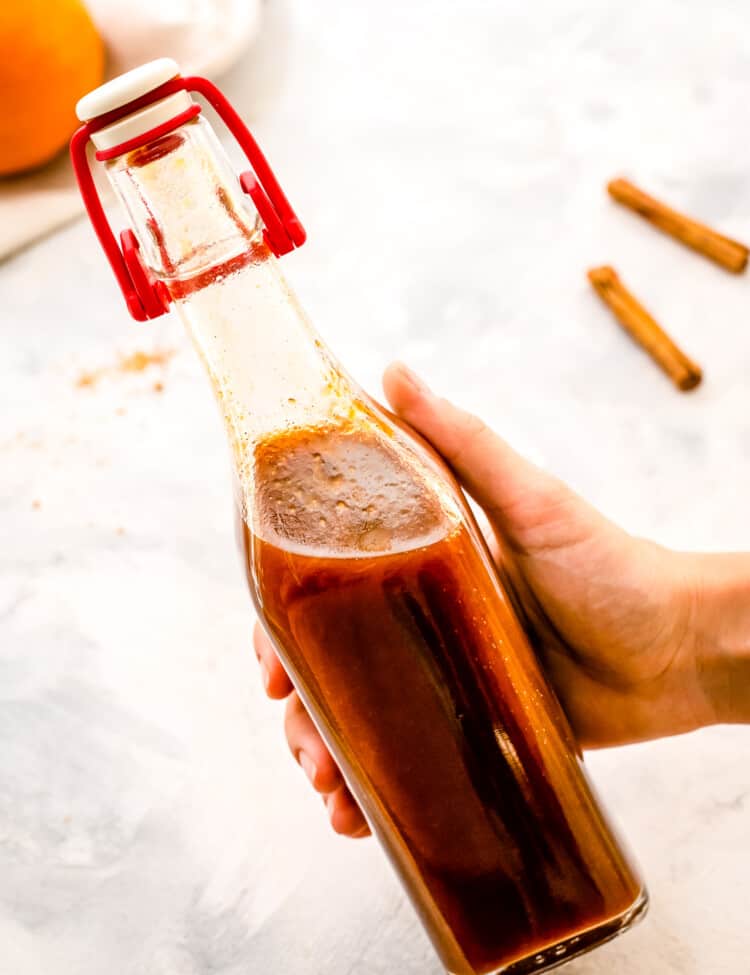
(639, 641)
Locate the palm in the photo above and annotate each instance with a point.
(606, 624)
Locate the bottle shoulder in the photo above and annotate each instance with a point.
(357, 485)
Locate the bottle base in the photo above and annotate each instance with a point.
(579, 944)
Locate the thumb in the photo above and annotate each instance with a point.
(513, 491)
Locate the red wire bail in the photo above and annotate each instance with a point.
(145, 297)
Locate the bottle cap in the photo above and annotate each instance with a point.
(126, 88)
(130, 89)
(141, 106)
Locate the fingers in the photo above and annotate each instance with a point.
(310, 751)
(532, 510)
(345, 815)
(275, 679)
(307, 746)
(492, 471)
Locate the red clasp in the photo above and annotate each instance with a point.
(146, 297)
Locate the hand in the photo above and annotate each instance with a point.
(613, 617)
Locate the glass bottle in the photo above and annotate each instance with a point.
(370, 575)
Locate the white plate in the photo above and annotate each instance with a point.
(203, 36)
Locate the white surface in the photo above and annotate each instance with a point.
(450, 166)
(205, 36)
(126, 87)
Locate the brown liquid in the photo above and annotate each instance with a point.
(397, 633)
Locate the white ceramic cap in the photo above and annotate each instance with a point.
(123, 89)
(138, 123)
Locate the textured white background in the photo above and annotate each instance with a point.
(449, 162)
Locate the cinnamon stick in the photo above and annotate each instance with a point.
(639, 324)
(728, 253)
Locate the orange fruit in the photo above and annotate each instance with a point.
(50, 55)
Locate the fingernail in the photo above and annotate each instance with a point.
(308, 766)
(265, 676)
(416, 381)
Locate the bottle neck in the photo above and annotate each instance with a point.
(200, 235)
(268, 367)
